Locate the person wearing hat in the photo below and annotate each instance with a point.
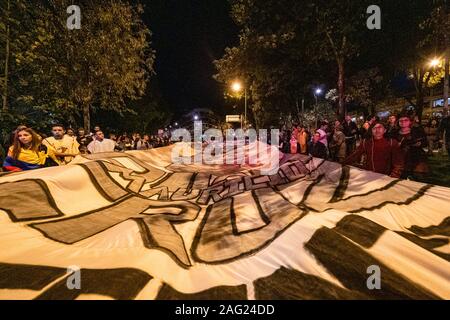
(381, 155)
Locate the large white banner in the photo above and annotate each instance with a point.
(135, 226)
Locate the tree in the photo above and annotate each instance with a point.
(146, 115)
(284, 45)
(7, 26)
(270, 58)
(324, 111)
(366, 90)
(423, 76)
(100, 66)
(438, 27)
(337, 29)
(16, 34)
(430, 36)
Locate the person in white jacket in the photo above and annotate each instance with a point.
(101, 144)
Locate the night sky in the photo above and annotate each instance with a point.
(188, 36)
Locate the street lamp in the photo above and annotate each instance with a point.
(236, 86)
(317, 93)
(434, 62)
(196, 117)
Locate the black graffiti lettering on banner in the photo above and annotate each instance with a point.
(288, 284)
(219, 238)
(106, 186)
(211, 193)
(348, 262)
(141, 172)
(225, 188)
(366, 232)
(122, 283)
(191, 188)
(400, 193)
(162, 193)
(249, 208)
(28, 200)
(214, 293)
(428, 244)
(119, 284)
(100, 173)
(165, 185)
(156, 229)
(161, 234)
(31, 277)
(443, 229)
(294, 171)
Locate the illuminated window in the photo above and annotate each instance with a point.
(439, 103)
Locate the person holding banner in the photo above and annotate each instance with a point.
(27, 152)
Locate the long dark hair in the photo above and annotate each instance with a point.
(17, 145)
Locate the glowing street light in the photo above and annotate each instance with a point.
(236, 86)
(434, 62)
(317, 93)
(196, 117)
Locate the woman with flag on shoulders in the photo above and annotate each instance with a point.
(27, 152)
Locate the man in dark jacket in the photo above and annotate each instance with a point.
(350, 131)
(381, 155)
(412, 140)
(316, 148)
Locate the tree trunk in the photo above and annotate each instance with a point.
(341, 89)
(303, 107)
(87, 117)
(257, 119)
(5, 89)
(419, 104)
(447, 57)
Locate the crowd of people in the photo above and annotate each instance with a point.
(29, 150)
(398, 147)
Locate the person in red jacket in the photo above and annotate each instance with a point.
(381, 155)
